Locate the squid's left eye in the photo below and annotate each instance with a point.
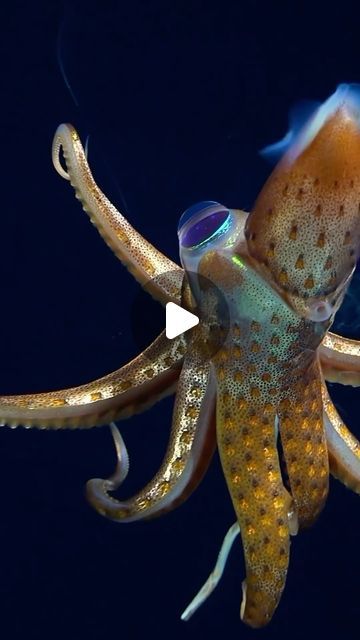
(203, 226)
(203, 223)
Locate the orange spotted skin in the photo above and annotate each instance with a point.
(304, 444)
(267, 370)
(305, 223)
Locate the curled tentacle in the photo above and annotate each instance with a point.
(122, 457)
(129, 390)
(188, 454)
(161, 277)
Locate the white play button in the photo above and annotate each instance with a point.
(178, 320)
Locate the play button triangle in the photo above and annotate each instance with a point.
(178, 320)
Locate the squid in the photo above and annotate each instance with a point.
(250, 378)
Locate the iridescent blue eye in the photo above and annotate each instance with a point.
(194, 209)
(207, 226)
(202, 224)
(206, 230)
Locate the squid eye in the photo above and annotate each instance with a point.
(207, 225)
(206, 230)
(202, 224)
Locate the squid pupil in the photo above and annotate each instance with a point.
(206, 229)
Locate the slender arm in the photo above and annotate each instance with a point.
(159, 275)
(191, 445)
(340, 359)
(129, 390)
(343, 447)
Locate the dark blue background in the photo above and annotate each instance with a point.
(177, 97)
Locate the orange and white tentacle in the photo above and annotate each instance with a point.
(138, 384)
(340, 362)
(129, 390)
(343, 447)
(340, 359)
(160, 276)
(248, 449)
(190, 448)
(304, 445)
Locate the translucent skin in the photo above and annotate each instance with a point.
(269, 371)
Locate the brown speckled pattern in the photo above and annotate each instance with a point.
(304, 225)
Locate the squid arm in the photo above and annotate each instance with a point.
(131, 389)
(343, 447)
(141, 382)
(191, 445)
(159, 275)
(306, 455)
(340, 359)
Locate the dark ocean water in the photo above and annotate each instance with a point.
(176, 98)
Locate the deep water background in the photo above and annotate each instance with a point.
(176, 98)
